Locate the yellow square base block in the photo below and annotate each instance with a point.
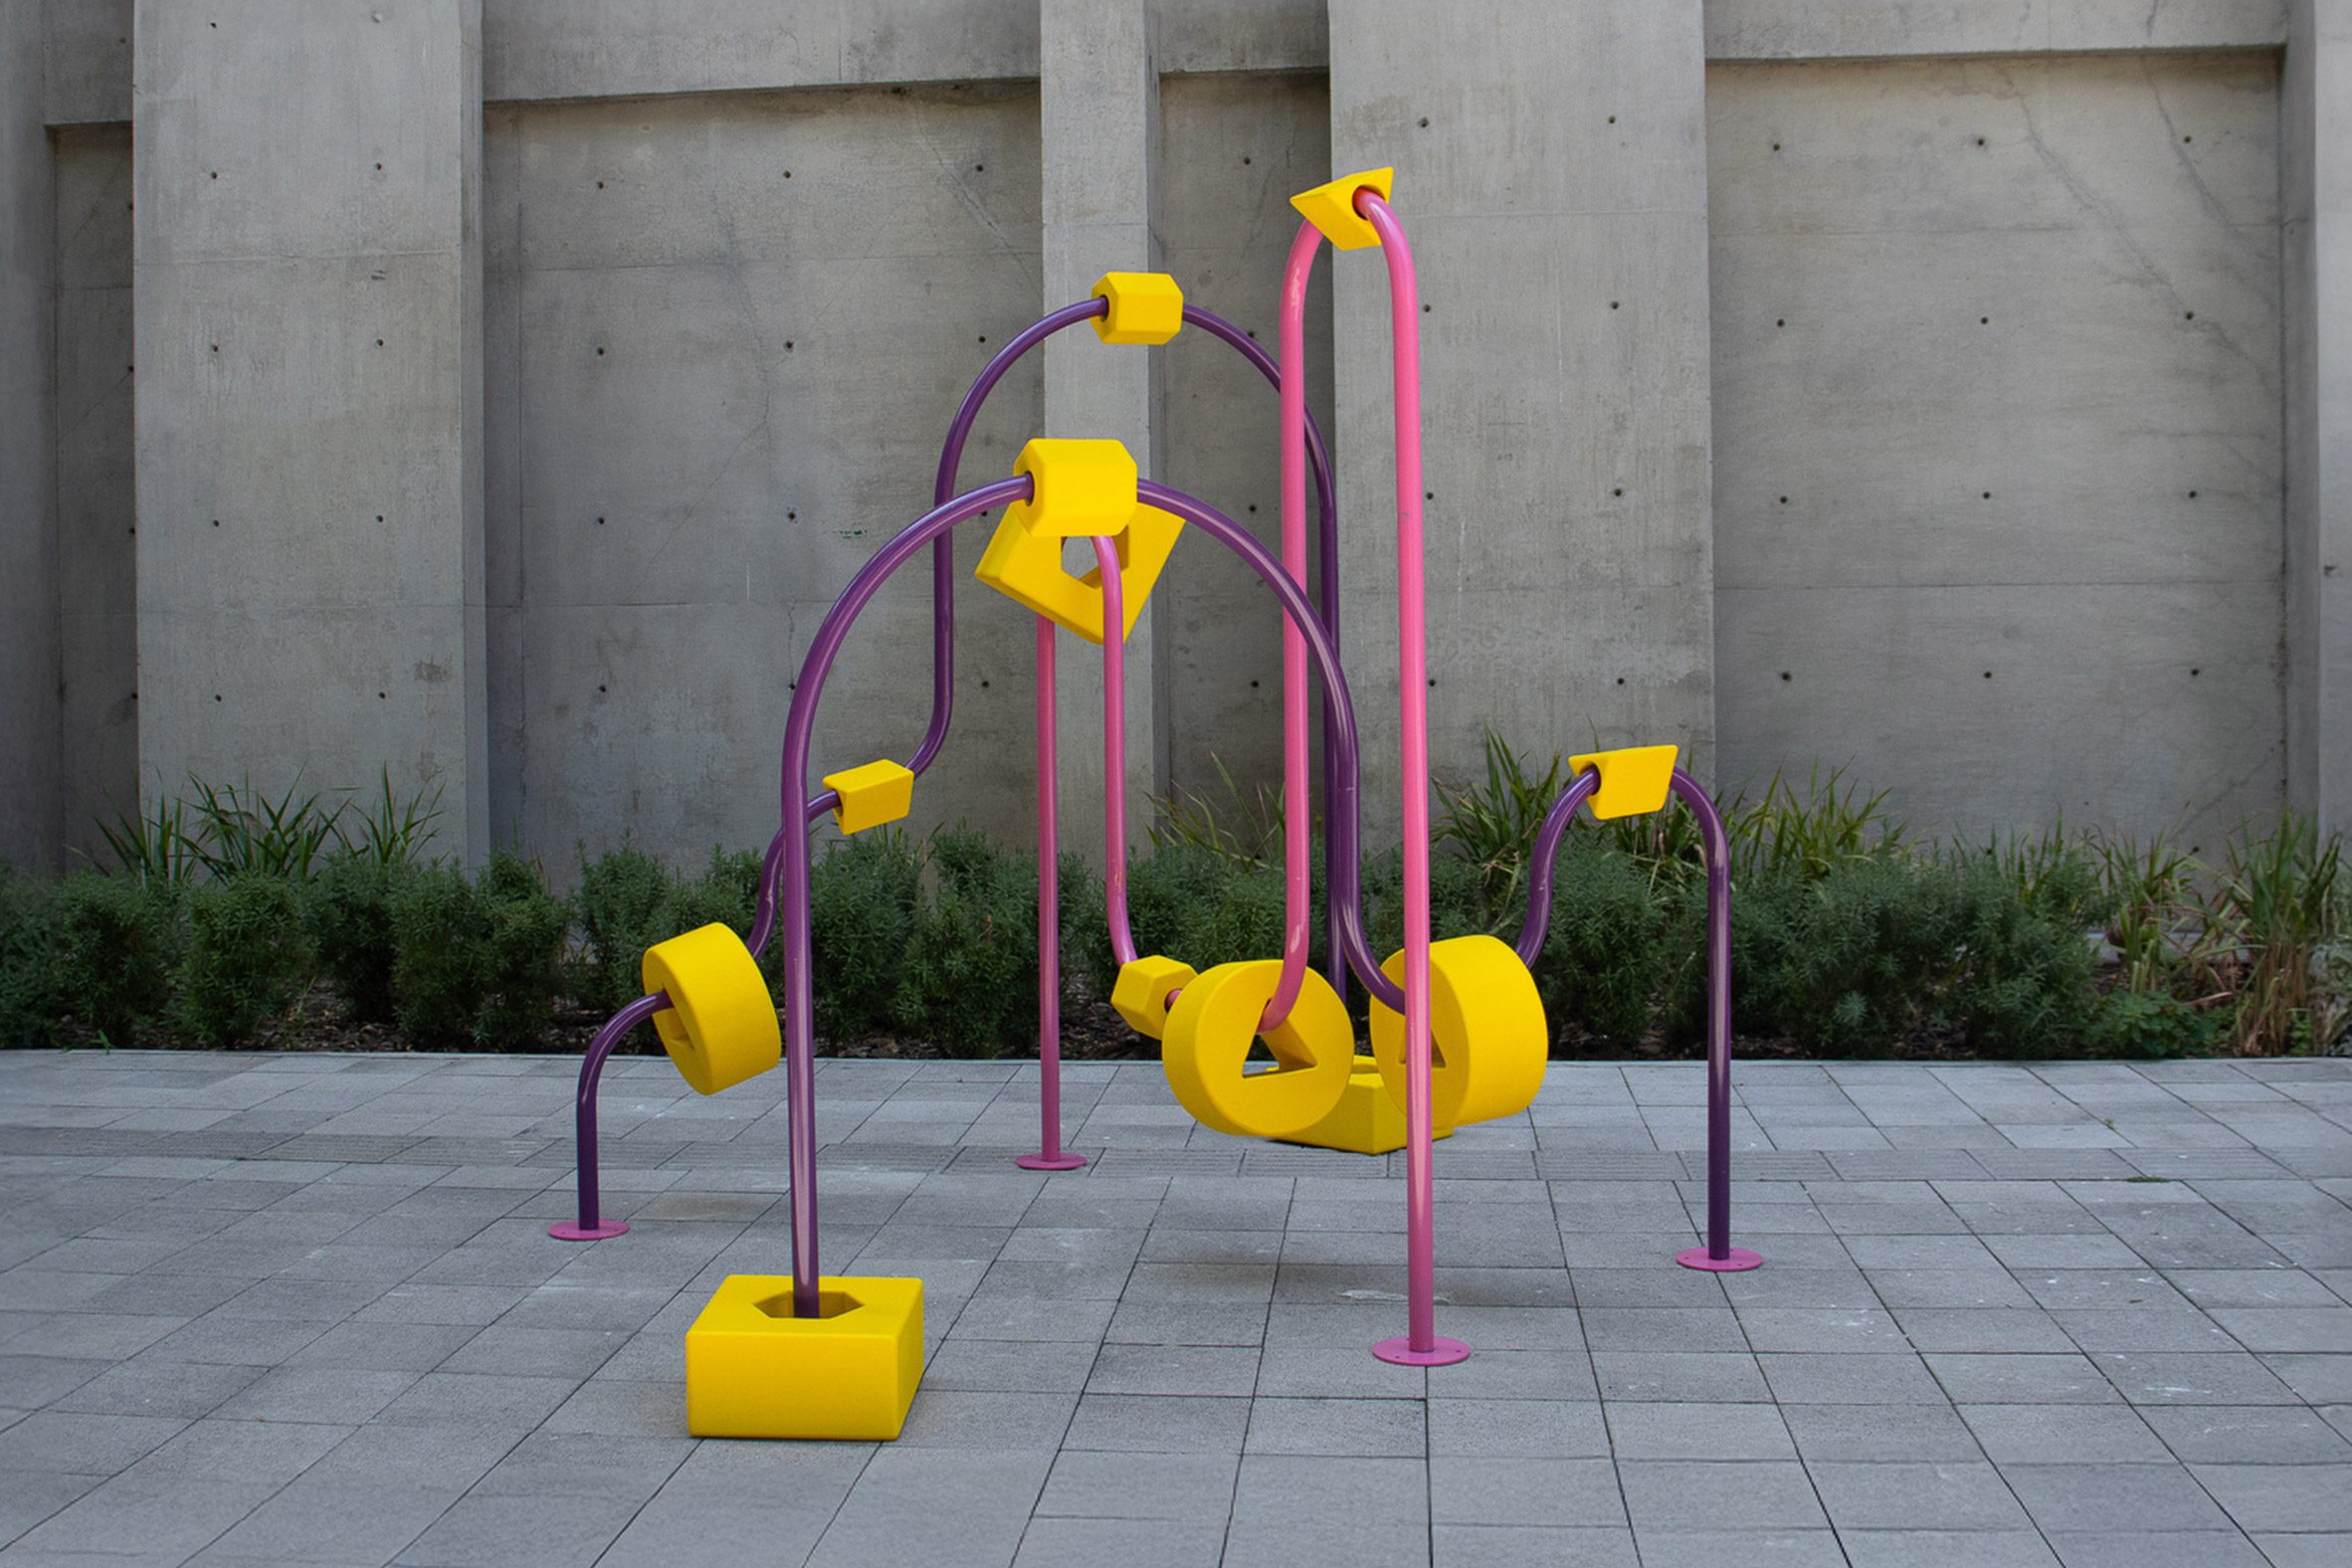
(753, 1370)
(1367, 1120)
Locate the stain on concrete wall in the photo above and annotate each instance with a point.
(725, 335)
(1232, 149)
(1997, 430)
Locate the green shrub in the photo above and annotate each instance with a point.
(440, 963)
(969, 977)
(726, 893)
(112, 945)
(2021, 981)
(1605, 958)
(863, 896)
(2138, 1024)
(25, 988)
(348, 914)
(247, 959)
(524, 928)
(1846, 961)
(620, 901)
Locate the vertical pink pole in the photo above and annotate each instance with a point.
(1421, 1347)
(1050, 1156)
(1114, 747)
(1296, 810)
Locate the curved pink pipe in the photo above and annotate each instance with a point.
(1114, 749)
(1413, 683)
(1297, 811)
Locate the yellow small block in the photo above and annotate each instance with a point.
(1079, 488)
(720, 1025)
(1332, 208)
(1634, 779)
(1145, 307)
(1140, 993)
(1027, 569)
(872, 795)
(753, 1370)
(1366, 1121)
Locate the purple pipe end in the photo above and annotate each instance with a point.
(573, 1231)
(1443, 1352)
(1050, 1162)
(1736, 1261)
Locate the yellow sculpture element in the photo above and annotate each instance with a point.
(1206, 1052)
(753, 1370)
(720, 1025)
(1487, 1038)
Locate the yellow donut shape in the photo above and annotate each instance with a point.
(1207, 1043)
(720, 1025)
(1487, 1038)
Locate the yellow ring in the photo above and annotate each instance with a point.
(1207, 1046)
(720, 1025)
(1489, 1040)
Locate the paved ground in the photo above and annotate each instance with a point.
(268, 1310)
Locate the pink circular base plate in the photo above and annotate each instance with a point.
(571, 1231)
(1443, 1352)
(1740, 1262)
(1049, 1162)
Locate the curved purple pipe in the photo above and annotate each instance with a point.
(615, 1027)
(1547, 853)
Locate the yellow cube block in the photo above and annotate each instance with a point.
(1332, 208)
(1079, 488)
(1634, 779)
(1366, 1120)
(872, 795)
(1140, 993)
(753, 1370)
(1145, 307)
(1027, 569)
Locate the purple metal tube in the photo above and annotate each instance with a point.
(591, 1225)
(1547, 853)
(1050, 1156)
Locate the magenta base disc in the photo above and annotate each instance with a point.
(1443, 1352)
(1740, 1261)
(571, 1231)
(1049, 1162)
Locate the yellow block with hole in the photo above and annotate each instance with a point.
(1145, 307)
(1079, 487)
(872, 795)
(720, 1025)
(1206, 1052)
(1487, 1038)
(1332, 208)
(1367, 1120)
(1634, 779)
(753, 1370)
(1140, 993)
(1027, 569)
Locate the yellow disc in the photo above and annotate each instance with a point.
(1487, 1037)
(1206, 1048)
(720, 1025)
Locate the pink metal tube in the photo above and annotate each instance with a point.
(1050, 1156)
(1114, 749)
(1296, 812)
(1421, 1347)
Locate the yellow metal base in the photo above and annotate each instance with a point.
(753, 1370)
(1368, 1119)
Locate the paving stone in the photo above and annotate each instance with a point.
(1759, 1495)
(1921, 1495)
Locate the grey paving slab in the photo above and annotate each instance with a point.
(266, 1311)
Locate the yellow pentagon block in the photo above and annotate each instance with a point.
(753, 1370)
(1633, 780)
(1487, 1037)
(720, 1025)
(1332, 208)
(1206, 1052)
(1027, 569)
(872, 795)
(1367, 1120)
(1145, 307)
(1079, 487)
(1140, 994)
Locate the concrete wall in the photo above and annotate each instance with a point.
(1996, 433)
(29, 758)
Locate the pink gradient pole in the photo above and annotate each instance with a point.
(1050, 1156)
(1296, 811)
(1114, 748)
(1421, 1345)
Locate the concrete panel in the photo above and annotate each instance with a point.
(98, 584)
(29, 716)
(1239, 35)
(89, 60)
(1557, 200)
(569, 49)
(671, 516)
(1232, 149)
(1997, 446)
(1856, 29)
(308, 413)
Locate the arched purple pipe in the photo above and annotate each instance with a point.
(591, 1226)
(1719, 1254)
